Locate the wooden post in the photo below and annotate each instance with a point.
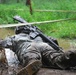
(18, 1)
(28, 2)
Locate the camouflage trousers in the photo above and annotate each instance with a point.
(48, 56)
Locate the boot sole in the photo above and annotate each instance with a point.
(31, 68)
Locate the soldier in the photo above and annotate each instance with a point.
(33, 52)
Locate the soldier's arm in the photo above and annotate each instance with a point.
(6, 43)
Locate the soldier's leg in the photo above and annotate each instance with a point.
(58, 59)
(31, 59)
(66, 60)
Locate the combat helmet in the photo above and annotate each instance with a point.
(22, 29)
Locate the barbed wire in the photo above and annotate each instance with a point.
(32, 23)
(38, 10)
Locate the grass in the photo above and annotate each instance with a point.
(65, 29)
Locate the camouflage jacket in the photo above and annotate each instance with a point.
(19, 41)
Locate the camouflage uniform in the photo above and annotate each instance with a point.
(28, 49)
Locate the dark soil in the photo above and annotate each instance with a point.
(42, 71)
(45, 71)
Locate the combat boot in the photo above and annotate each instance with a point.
(31, 68)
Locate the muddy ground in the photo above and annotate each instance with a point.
(46, 71)
(42, 71)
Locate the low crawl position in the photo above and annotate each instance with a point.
(35, 52)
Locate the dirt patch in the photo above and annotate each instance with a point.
(42, 71)
(45, 71)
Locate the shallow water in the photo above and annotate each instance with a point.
(67, 44)
(5, 32)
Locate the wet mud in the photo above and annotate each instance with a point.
(46, 71)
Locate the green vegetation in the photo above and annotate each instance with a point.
(65, 29)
